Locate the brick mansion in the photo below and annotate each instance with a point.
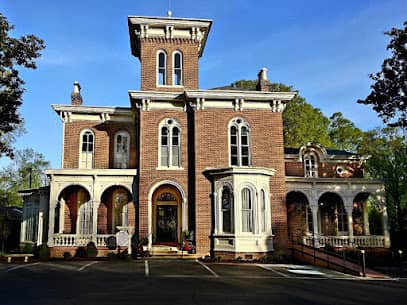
(208, 162)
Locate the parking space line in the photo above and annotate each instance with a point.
(207, 268)
(86, 266)
(146, 269)
(268, 268)
(20, 266)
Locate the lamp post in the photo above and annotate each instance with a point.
(401, 262)
(363, 263)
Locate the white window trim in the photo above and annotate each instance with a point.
(170, 127)
(239, 145)
(173, 68)
(220, 211)
(254, 218)
(80, 149)
(313, 172)
(158, 68)
(122, 133)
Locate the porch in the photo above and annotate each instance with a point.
(337, 213)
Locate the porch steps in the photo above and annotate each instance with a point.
(333, 262)
(163, 251)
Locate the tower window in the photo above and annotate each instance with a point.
(177, 66)
(161, 68)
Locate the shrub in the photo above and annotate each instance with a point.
(27, 248)
(67, 256)
(43, 252)
(91, 250)
(80, 252)
(218, 258)
(112, 256)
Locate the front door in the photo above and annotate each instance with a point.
(166, 223)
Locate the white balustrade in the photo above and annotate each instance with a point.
(345, 241)
(72, 240)
(101, 240)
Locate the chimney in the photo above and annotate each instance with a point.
(263, 83)
(76, 98)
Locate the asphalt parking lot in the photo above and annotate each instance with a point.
(154, 281)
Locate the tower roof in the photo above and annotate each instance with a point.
(167, 28)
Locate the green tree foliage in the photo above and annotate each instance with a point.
(14, 53)
(16, 176)
(388, 162)
(389, 90)
(343, 132)
(302, 122)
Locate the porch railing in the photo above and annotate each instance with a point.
(345, 241)
(79, 240)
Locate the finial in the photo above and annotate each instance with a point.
(169, 13)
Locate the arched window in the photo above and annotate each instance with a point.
(239, 143)
(263, 211)
(87, 147)
(342, 218)
(177, 68)
(310, 165)
(161, 68)
(170, 144)
(85, 213)
(121, 149)
(120, 201)
(247, 210)
(227, 210)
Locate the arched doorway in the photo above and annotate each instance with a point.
(299, 215)
(74, 212)
(115, 210)
(166, 215)
(333, 216)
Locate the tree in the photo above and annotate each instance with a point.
(302, 122)
(343, 132)
(388, 162)
(25, 169)
(14, 52)
(389, 90)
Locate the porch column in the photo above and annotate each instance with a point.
(315, 233)
(51, 213)
(61, 216)
(95, 208)
(51, 221)
(349, 210)
(366, 228)
(40, 227)
(386, 228)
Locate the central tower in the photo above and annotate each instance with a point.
(168, 49)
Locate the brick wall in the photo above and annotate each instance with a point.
(148, 172)
(211, 151)
(104, 143)
(148, 58)
(326, 169)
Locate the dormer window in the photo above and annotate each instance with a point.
(310, 165)
(239, 143)
(177, 67)
(161, 68)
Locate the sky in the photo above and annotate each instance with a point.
(324, 48)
